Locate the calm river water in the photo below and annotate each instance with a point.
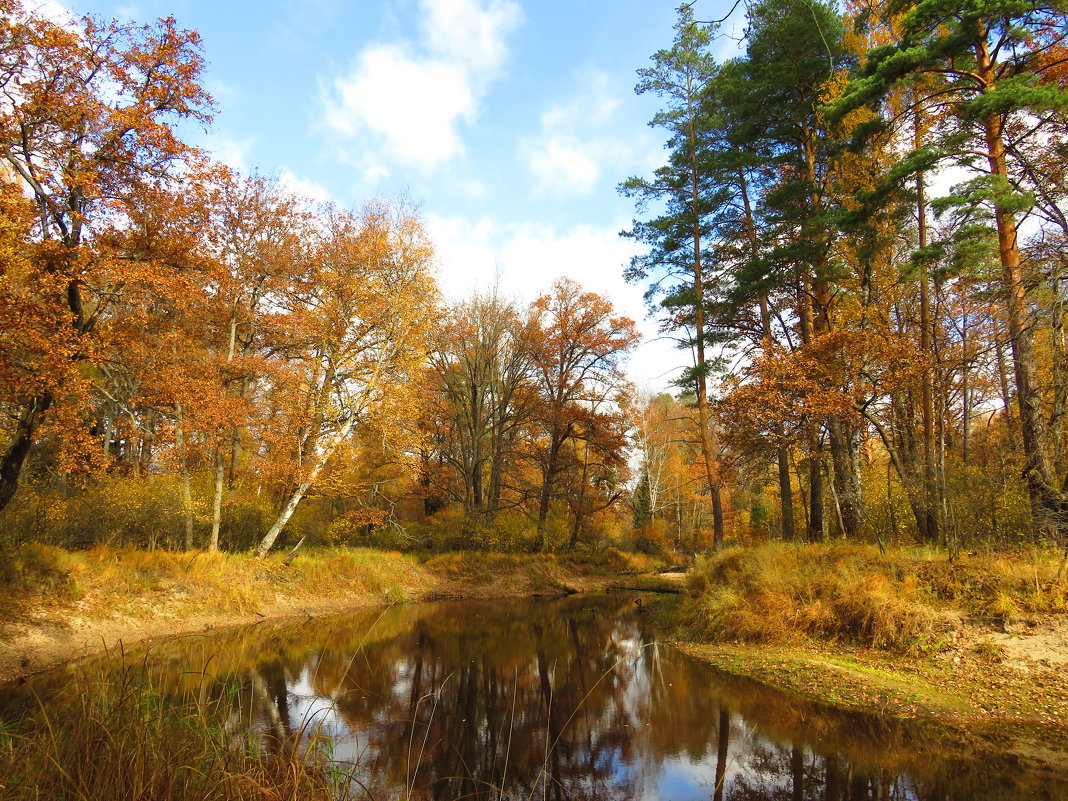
(553, 699)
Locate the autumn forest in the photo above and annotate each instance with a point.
(858, 233)
(224, 403)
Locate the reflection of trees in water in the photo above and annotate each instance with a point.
(786, 771)
(568, 699)
(556, 704)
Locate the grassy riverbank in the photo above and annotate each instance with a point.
(57, 605)
(980, 643)
(118, 739)
(905, 601)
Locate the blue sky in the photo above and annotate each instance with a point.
(508, 122)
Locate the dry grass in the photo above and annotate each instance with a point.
(901, 600)
(506, 574)
(105, 581)
(118, 738)
(497, 574)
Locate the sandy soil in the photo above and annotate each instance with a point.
(1005, 679)
(1027, 644)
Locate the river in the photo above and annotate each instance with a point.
(574, 698)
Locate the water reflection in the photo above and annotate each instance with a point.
(567, 699)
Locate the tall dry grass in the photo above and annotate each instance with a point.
(900, 600)
(119, 738)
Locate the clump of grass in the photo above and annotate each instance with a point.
(120, 738)
(609, 562)
(998, 585)
(35, 575)
(902, 600)
(990, 652)
(38, 569)
(775, 592)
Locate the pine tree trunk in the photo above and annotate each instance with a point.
(1038, 470)
(931, 501)
(786, 498)
(699, 334)
(966, 395)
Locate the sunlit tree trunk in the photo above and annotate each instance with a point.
(187, 495)
(1045, 498)
(302, 489)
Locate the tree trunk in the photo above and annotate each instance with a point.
(786, 498)
(236, 448)
(1059, 415)
(1038, 470)
(717, 518)
(216, 504)
(1011, 435)
(699, 331)
(547, 485)
(966, 395)
(845, 453)
(187, 496)
(21, 441)
(932, 527)
(579, 507)
(722, 751)
(814, 529)
(302, 490)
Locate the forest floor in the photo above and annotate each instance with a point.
(57, 606)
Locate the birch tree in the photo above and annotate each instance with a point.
(364, 310)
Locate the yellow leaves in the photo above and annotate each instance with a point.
(834, 375)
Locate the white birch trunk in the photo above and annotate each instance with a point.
(302, 489)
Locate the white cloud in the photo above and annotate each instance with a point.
(525, 258)
(54, 12)
(576, 144)
(470, 32)
(564, 164)
(317, 193)
(231, 152)
(403, 102)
